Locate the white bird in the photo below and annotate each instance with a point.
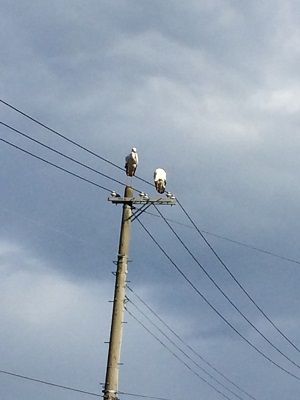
(131, 162)
(160, 180)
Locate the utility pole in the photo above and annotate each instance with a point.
(114, 352)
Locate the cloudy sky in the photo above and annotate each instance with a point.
(208, 90)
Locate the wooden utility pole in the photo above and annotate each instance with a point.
(113, 361)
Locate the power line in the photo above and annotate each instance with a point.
(214, 308)
(55, 165)
(222, 291)
(61, 167)
(186, 344)
(237, 282)
(44, 382)
(182, 351)
(147, 212)
(48, 383)
(175, 355)
(142, 396)
(60, 153)
(59, 134)
(267, 252)
(67, 139)
(238, 242)
(80, 177)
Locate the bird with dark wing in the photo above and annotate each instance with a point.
(131, 162)
(160, 180)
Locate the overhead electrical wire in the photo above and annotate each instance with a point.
(237, 281)
(104, 188)
(115, 180)
(63, 155)
(67, 139)
(55, 165)
(222, 237)
(196, 353)
(48, 383)
(59, 152)
(59, 134)
(175, 355)
(267, 252)
(144, 396)
(115, 165)
(225, 238)
(223, 292)
(78, 162)
(70, 388)
(80, 177)
(181, 350)
(266, 357)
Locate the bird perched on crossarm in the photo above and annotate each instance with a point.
(160, 180)
(131, 162)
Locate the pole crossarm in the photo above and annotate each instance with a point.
(141, 200)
